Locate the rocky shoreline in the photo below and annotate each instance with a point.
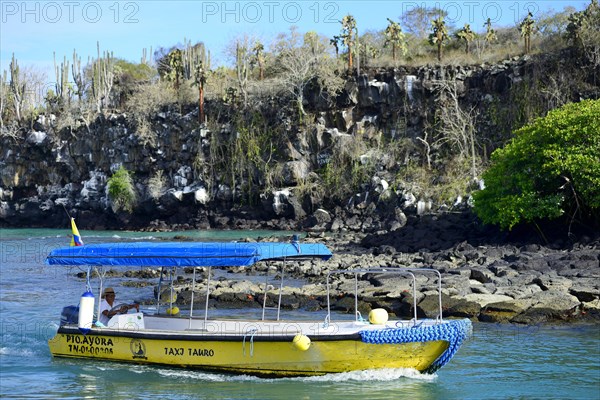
(487, 275)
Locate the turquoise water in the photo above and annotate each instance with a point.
(497, 362)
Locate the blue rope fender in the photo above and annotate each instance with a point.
(454, 332)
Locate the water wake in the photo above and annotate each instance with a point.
(372, 375)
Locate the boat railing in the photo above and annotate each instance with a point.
(393, 270)
(265, 294)
(266, 308)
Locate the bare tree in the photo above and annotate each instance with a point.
(457, 125)
(417, 20)
(300, 62)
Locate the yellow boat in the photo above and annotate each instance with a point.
(259, 347)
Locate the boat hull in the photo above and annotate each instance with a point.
(268, 356)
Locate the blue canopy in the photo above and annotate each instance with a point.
(183, 254)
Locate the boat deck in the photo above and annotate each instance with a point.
(140, 322)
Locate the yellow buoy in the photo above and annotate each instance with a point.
(301, 342)
(378, 316)
(173, 310)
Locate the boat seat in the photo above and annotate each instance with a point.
(131, 322)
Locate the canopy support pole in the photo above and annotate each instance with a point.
(158, 292)
(207, 296)
(192, 300)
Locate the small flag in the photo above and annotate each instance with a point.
(76, 240)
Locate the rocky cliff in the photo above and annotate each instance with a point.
(46, 169)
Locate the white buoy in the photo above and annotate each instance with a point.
(86, 312)
(378, 316)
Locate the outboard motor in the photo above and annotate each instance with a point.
(69, 315)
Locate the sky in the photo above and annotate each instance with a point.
(35, 30)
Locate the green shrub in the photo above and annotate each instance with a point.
(551, 168)
(121, 190)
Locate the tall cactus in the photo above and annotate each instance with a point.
(78, 76)
(241, 68)
(17, 87)
(4, 86)
(439, 35)
(102, 78)
(527, 28)
(467, 35)
(61, 84)
(349, 36)
(199, 80)
(335, 42)
(191, 57)
(175, 68)
(490, 34)
(145, 60)
(259, 58)
(395, 37)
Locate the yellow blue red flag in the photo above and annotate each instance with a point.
(76, 239)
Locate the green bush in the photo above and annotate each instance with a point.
(121, 190)
(551, 168)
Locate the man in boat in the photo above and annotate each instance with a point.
(108, 309)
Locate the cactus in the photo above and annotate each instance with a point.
(335, 42)
(61, 84)
(395, 37)
(490, 34)
(191, 57)
(527, 28)
(17, 87)
(439, 35)
(200, 80)
(349, 36)
(467, 35)
(145, 59)
(77, 75)
(102, 78)
(3, 96)
(241, 68)
(259, 58)
(175, 74)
